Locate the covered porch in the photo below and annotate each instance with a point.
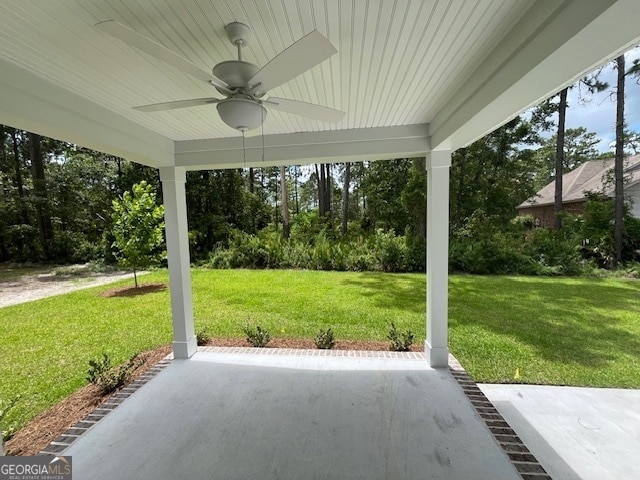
(240, 413)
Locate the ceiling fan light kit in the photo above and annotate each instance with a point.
(241, 114)
(242, 83)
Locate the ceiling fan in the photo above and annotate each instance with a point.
(243, 84)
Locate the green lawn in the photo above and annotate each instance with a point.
(553, 330)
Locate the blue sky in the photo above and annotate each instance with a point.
(598, 113)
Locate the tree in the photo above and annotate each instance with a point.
(618, 169)
(579, 147)
(41, 200)
(383, 185)
(284, 202)
(540, 116)
(490, 177)
(138, 223)
(345, 197)
(414, 197)
(557, 205)
(323, 178)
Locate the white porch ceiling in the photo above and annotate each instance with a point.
(451, 69)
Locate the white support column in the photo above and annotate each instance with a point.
(438, 163)
(175, 216)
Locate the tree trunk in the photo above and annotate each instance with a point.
(276, 215)
(40, 192)
(421, 220)
(296, 178)
(562, 111)
(345, 197)
(619, 165)
(327, 189)
(251, 180)
(24, 216)
(321, 187)
(284, 202)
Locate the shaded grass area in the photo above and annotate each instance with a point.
(553, 330)
(558, 331)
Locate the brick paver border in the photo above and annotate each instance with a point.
(523, 460)
(65, 440)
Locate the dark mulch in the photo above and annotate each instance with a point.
(50, 424)
(132, 291)
(307, 343)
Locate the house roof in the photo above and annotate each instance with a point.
(412, 76)
(591, 176)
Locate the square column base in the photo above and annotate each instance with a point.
(437, 357)
(185, 349)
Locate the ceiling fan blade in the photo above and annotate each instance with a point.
(309, 110)
(134, 39)
(158, 107)
(304, 54)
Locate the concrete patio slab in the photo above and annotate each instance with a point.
(575, 433)
(243, 416)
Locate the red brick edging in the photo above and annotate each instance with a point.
(522, 459)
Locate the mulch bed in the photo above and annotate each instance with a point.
(52, 423)
(130, 291)
(308, 344)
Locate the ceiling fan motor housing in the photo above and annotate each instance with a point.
(235, 73)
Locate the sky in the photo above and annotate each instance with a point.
(598, 113)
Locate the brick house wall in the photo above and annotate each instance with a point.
(543, 215)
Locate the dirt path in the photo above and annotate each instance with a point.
(30, 287)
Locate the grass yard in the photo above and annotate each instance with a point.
(553, 330)
(557, 331)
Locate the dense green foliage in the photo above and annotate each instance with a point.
(138, 228)
(574, 331)
(371, 219)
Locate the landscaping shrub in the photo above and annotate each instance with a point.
(7, 431)
(480, 247)
(325, 339)
(108, 378)
(400, 341)
(257, 337)
(203, 336)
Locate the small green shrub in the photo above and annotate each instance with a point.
(325, 339)
(203, 336)
(257, 337)
(108, 378)
(7, 430)
(400, 341)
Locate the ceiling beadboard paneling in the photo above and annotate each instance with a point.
(398, 61)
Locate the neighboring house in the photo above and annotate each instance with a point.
(592, 176)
